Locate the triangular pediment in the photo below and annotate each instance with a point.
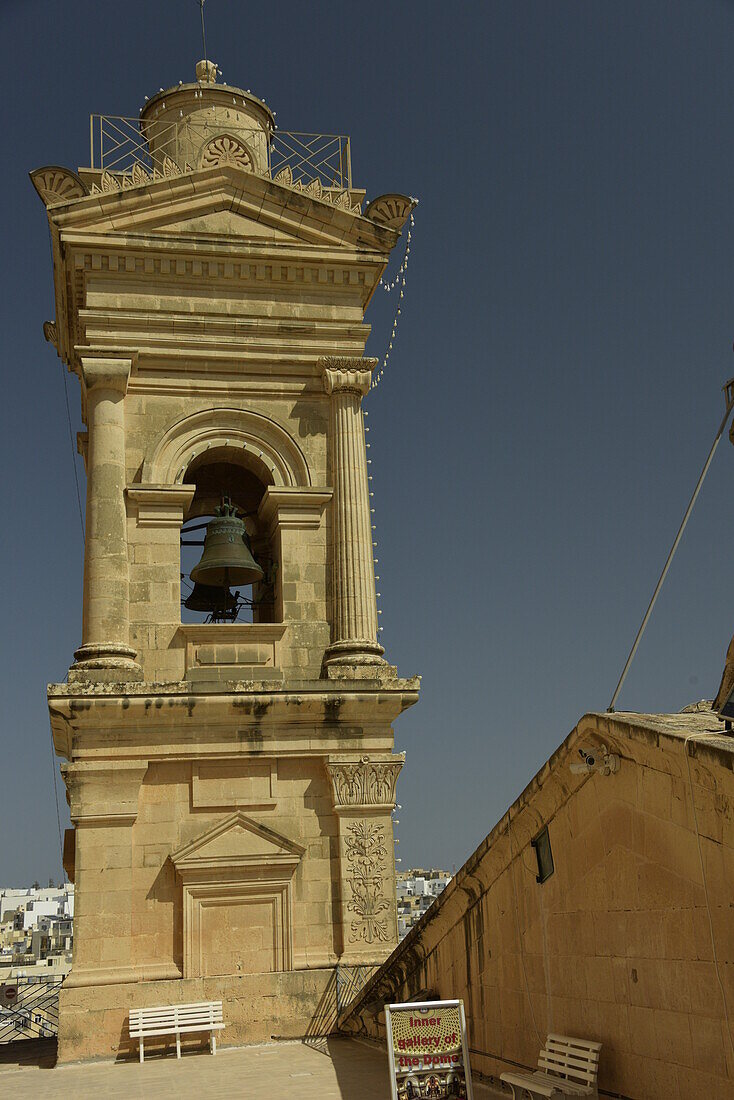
(237, 841)
(223, 202)
(225, 223)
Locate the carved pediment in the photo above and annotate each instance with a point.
(238, 843)
(226, 223)
(236, 882)
(224, 200)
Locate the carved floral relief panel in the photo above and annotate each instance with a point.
(366, 853)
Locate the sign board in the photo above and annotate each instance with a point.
(8, 995)
(428, 1050)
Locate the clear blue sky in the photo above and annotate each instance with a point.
(552, 395)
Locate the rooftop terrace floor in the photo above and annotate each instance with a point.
(333, 1069)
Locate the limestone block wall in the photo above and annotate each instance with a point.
(256, 1007)
(171, 814)
(191, 287)
(616, 945)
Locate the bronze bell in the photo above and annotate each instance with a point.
(210, 599)
(227, 558)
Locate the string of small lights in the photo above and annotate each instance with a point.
(397, 284)
(389, 286)
(373, 526)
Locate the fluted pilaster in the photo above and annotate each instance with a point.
(354, 603)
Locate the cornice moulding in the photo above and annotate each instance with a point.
(160, 505)
(293, 506)
(107, 706)
(248, 193)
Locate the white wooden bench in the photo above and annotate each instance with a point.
(178, 1020)
(566, 1067)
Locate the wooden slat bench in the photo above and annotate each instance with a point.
(178, 1020)
(566, 1067)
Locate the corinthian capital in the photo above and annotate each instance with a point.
(347, 374)
(364, 782)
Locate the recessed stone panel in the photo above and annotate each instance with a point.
(233, 784)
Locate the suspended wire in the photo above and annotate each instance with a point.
(73, 454)
(729, 391)
(71, 430)
(398, 283)
(58, 815)
(203, 29)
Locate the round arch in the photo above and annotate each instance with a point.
(265, 440)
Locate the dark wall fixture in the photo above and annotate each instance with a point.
(543, 854)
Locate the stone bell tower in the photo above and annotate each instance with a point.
(231, 783)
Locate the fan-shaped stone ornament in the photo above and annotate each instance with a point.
(170, 168)
(226, 149)
(139, 175)
(285, 176)
(390, 210)
(56, 185)
(108, 182)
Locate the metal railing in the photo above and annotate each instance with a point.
(32, 1013)
(350, 981)
(117, 144)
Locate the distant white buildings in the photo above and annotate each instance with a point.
(36, 932)
(417, 889)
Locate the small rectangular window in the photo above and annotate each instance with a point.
(544, 855)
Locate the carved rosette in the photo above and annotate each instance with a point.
(226, 149)
(365, 782)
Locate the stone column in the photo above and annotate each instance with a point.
(105, 652)
(354, 647)
(363, 791)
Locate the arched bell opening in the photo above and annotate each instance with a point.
(228, 562)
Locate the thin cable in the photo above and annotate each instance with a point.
(692, 737)
(398, 284)
(73, 453)
(203, 30)
(71, 432)
(678, 537)
(58, 815)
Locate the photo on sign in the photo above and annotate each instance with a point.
(434, 1085)
(427, 1049)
